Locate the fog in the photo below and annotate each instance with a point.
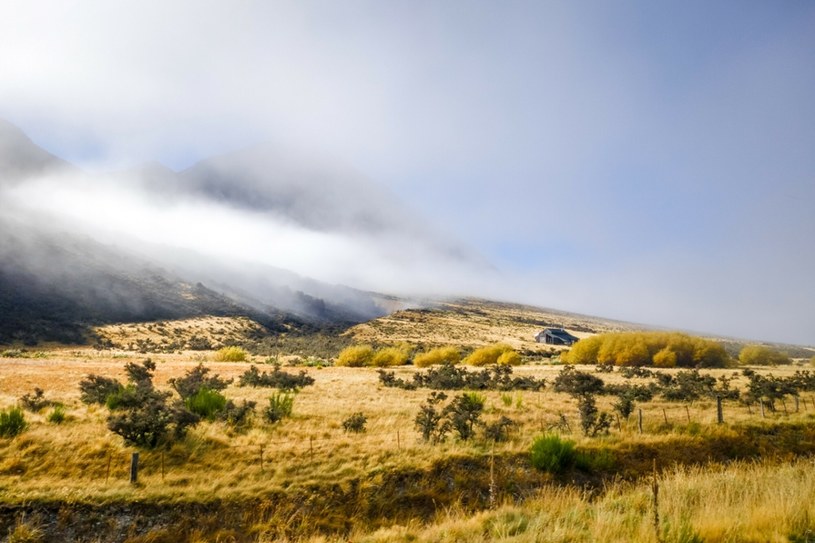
(645, 162)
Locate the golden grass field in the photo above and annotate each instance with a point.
(81, 461)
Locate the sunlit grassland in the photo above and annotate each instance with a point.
(80, 460)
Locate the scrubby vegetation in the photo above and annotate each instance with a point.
(450, 377)
(276, 379)
(552, 453)
(661, 349)
(356, 356)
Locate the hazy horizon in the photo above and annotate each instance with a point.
(648, 163)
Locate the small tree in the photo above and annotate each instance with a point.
(439, 355)
(758, 355)
(430, 420)
(464, 412)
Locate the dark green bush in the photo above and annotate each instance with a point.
(96, 389)
(450, 377)
(276, 379)
(238, 415)
(576, 383)
(195, 380)
(498, 431)
(552, 454)
(464, 413)
(35, 402)
(355, 423)
(430, 420)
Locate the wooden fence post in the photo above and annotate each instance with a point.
(687, 412)
(797, 408)
(761, 403)
(492, 476)
(719, 413)
(784, 403)
(665, 416)
(639, 419)
(261, 458)
(398, 441)
(134, 468)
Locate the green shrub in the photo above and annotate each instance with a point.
(206, 403)
(355, 423)
(498, 430)
(57, 414)
(430, 420)
(230, 354)
(552, 454)
(280, 406)
(356, 356)
(12, 422)
(439, 355)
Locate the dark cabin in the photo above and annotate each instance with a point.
(556, 336)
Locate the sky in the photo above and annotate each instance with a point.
(651, 162)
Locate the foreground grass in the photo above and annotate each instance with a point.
(745, 502)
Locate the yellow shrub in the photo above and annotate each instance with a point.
(439, 355)
(509, 358)
(391, 356)
(583, 352)
(487, 355)
(356, 356)
(230, 354)
(665, 358)
(758, 355)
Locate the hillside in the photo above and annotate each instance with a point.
(472, 322)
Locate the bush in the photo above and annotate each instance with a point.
(95, 389)
(498, 431)
(276, 379)
(356, 356)
(488, 355)
(576, 383)
(355, 423)
(280, 406)
(36, 402)
(391, 356)
(206, 403)
(57, 415)
(12, 422)
(552, 454)
(195, 380)
(439, 355)
(238, 416)
(592, 422)
(152, 423)
(230, 354)
(758, 355)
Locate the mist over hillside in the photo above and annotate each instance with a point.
(257, 232)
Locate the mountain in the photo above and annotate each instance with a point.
(60, 274)
(20, 158)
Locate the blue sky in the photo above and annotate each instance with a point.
(639, 160)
